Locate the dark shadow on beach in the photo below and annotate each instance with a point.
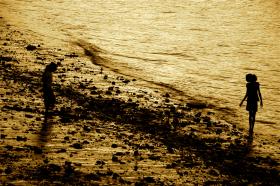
(46, 130)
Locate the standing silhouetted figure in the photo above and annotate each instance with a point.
(253, 95)
(49, 97)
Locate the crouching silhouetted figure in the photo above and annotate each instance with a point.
(253, 95)
(48, 94)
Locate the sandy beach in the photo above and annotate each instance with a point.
(110, 129)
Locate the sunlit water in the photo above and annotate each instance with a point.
(203, 48)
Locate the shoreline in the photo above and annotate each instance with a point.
(108, 129)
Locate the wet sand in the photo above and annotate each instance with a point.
(107, 128)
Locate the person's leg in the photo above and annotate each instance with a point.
(250, 122)
(253, 120)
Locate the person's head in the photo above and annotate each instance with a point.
(52, 67)
(254, 78)
(249, 77)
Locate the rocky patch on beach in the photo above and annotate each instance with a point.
(108, 129)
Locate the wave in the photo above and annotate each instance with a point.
(97, 57)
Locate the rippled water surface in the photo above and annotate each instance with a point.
(203, 48)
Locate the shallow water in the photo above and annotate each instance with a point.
(203, 48)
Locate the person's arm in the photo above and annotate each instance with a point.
(260, 96)
(243, 99)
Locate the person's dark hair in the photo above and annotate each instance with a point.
(52, 67)
(254, 78)
(249, 77)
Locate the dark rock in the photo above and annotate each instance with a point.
(115, 176)
(136, 153)
(149, 179)
(85, 142)
(126, 81)
(100, 162)
(92, 176)
(8, 170)
(206, 119)
(167, 100)
(105, 77)
(219, 131)
(20, 138)
(46, 161)
(166, 95)
(197, 119)
(115, 158)
(87, 128)
(3, 136)
(66, 138)
(6, 59)
(29, 116)
(9, 147)
(68, 168)
(108, 92)
(135, 168)
(77, 146)
(31, 47)
(61, 151)
(38, 119)
(114, 145)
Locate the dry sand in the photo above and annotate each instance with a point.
(110, 129)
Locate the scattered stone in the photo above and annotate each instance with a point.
(20, 138)
(136, 153)
(31, 47)
(85, 142)
(167, 100)
(38, 119)
(219, 131)
(61, 151)
(126, 81)
(87, 128)
(114, 145)
(166, 95)
(115, 158)
(8, 170)
(6, 59)
(100, 162)
(9, 147)
(3, 136)
(108, 92)
(77, 146)
(29, 116)
(149, 179)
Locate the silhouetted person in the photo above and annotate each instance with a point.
(48, 94)
(253, 95)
